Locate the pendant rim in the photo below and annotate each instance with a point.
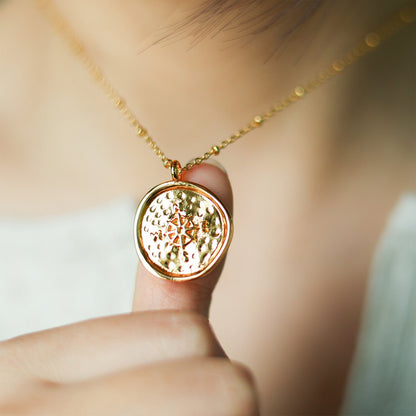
(227, 224)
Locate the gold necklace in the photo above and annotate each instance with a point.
(181, 230)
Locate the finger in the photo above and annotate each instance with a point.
(194, 295)
(105, 345)
(181, 388)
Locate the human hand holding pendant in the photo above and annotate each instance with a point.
(163, 360)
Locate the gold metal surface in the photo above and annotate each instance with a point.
(181, 230)
(369, 42)
(175, 170)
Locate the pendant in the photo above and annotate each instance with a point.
(181, 229)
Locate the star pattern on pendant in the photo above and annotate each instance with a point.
(181, 229)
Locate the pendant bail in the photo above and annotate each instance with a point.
(176, 170)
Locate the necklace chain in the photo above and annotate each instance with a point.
(371, 41)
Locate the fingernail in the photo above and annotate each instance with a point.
(214, 162)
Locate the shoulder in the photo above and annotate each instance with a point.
(21, 52)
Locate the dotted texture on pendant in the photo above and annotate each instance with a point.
(182, 230)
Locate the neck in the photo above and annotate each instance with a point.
(219, 82)
(119, 36)
(141, 31)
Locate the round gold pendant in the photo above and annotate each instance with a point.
(181, 230)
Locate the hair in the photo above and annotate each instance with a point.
(246, 18)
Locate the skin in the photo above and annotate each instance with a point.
(320, 179)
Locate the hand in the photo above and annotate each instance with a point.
(159, 362)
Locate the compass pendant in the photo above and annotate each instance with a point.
(181, 230)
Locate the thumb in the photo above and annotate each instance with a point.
(152, 293)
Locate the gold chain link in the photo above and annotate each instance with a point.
(372, 40)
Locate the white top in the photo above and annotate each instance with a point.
(383, 378)
(77, 266)
(82, 265)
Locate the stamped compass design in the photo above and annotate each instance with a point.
(181, 230)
